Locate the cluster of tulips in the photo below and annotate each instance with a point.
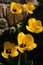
(25, 41)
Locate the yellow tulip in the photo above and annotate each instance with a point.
(25, 42)
(29, 7)
(15, 8)
(34, 25)
(9, 50)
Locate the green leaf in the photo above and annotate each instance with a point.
(29, 62)
(12, 29)
(1, 63)
(20, 24)
(12, 60)
(22, 59)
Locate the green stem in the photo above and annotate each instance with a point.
(32, 63)
(25, 57)
(19, 59)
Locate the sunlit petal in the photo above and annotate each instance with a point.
(15, 53)
(20, 38)
(28, 39)
(22, 50)
(29, 7)
(31, 21)
(4, 55)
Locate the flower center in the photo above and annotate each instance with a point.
(23, 45)
(14, 10)
(8, 51)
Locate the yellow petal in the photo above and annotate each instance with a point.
(28, 39)
(21, 49)
(37, 24)
(34, 30)
(20, 38)
(31, 29)
(31, 21)
(14, 54)
(39, 30)
(12, 6)
(31, 12)
(31, 47)
(4, 55)
(34, 45)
